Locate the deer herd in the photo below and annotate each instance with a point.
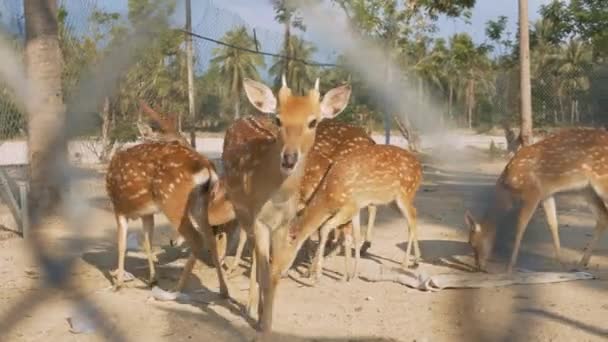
(294, 171)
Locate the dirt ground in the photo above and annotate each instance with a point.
(333, 310)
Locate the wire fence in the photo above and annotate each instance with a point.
(91, 37)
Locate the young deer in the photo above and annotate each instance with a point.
(162, 176)
(573, 159)
(332, 137)
(373, 174)
(264, 158)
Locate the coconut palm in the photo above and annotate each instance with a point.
(299, 74)
(473, 69)
(235, 64)
(572, 66)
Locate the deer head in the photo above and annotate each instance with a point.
(482, 236)
(167, 126)
(297, 116)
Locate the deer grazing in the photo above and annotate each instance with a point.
(264, 158)
(165, 176)
(570, 160)
(373, 174)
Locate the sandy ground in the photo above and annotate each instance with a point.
(333, 310)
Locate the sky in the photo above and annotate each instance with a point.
(259, 13)
(213, 18)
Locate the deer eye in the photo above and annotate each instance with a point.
(277, 121)
(312, 124)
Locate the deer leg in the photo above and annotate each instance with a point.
(344, 215)
(252, 302)
(601, 213)
(316, 267)
(266, 286)
(215, 255)
(371, 210)
(239, 251)
(122, 226)
(409, 212)
(551, 215)
(148, 225)
(347, 232)
(185, 273)
(356, 222)
(523, 218)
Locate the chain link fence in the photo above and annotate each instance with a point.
(90, 32)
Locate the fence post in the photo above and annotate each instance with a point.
(6, 193)
(25, 214)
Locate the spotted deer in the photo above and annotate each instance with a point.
(264, 158)
(373, 174)
(570, 160)
(332, 137)
(165, 176)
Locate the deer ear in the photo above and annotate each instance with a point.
(469, 219)
(145, 130)
(335, 101)
(260, 96)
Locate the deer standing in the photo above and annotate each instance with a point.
(571, 160)
(373, 174)
(264, 160)
(332, 137)
(162, 176)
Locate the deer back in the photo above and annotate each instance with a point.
(334, 138)
(567, 160)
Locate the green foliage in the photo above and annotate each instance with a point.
(300, 75)
(234, 65)
(478, 83)
(587, 19)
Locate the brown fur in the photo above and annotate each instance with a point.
(160, 176)
(374, 174)
(263, 193)
(571, 160)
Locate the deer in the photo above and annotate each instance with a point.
(263, 158)
(169, 177)
(332, 136)
(373, 174)
(572, 160)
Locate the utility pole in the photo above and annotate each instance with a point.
(524, 75)
(190, 61)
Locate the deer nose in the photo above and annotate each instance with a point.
(289, 160)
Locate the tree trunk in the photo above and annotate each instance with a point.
(189, 62)
(473, 101)
(420, 93)
(387, 119)
(470, 93)
(287, 50)
(572, 112)
(106, 143)
(450, 100)
(524, 64)
(47, 144)
(237, 108)
(561, 109)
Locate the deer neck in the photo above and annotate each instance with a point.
(500, 207)
(289, 184)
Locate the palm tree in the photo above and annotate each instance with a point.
(286, 15)
(299, 74)
(543, 74)
(236, 65)
(44, 65)
(572, 66)
(524, 78)
(471, 71)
